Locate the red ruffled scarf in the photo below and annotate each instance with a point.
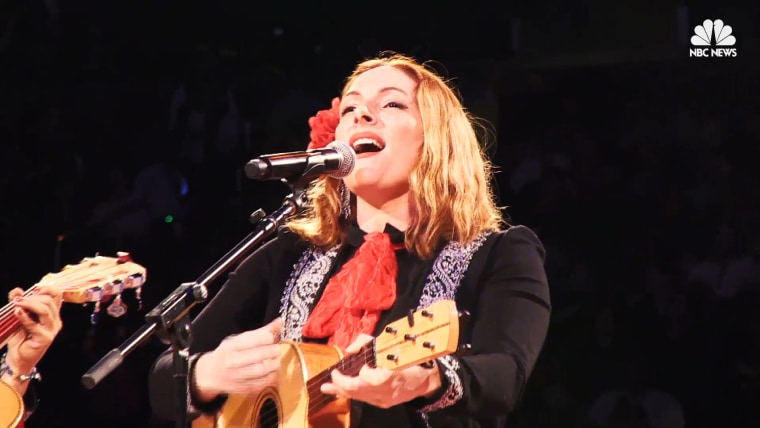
(355, 298)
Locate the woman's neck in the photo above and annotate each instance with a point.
(372, 218)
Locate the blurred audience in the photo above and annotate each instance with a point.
(655, 322)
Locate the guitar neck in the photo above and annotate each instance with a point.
(92, 280)
(350, 366)
(9, 324)
(417, 338)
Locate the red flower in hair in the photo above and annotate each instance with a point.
(323, 126)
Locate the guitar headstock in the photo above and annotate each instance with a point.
(96, 279)
(423, 335)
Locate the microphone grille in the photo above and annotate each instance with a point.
(347, 158)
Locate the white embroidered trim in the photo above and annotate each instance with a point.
(442, 283)
(448, 269)
(455, 390)
(301, 290)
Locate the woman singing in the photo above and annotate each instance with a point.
(414, 222)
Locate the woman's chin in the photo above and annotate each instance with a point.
(364, 177)
(376, 194)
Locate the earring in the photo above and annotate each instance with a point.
(345, 201)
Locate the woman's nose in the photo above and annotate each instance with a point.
(364, 115)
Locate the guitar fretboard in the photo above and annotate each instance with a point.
(9, 324)
(350, 366)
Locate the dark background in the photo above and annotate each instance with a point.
(117, 114)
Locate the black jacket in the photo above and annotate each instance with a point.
(505, 290)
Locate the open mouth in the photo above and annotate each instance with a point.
(367, 145)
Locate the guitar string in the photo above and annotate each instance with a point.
(74, 273)
(77, 272)
(8, 322)
(273, 414)
(9, 306)
(54, 281)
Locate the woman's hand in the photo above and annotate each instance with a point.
(40, 318)
(382, 387)
(242, 364)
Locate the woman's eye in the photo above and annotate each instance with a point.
(394, 104)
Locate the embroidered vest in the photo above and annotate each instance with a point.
(309, 274)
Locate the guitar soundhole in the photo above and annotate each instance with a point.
(269, 417)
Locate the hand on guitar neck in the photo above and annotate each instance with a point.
(382, 387)
(32, 319)
(35, 317)
(244, 363)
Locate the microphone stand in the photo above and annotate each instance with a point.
(170, 319)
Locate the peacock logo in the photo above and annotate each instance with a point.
(711, 38)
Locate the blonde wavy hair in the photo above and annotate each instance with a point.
(451, 193)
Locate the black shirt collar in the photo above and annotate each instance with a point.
(355, 236)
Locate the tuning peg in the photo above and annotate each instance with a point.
(410, 318)
(138, 296)
(464, 350)
(117, 308)
(123, 257)
(464, 318)
(95, 316)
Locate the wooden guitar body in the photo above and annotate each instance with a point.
(12, 408)
(286, 406)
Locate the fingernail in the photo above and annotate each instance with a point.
(18, 299)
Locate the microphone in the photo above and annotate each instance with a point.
(336, 160)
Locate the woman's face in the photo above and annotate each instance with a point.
(380, 119)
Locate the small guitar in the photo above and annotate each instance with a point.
(11, 406)
(297, 402)
(94, 279)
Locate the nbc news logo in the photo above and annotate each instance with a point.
(703, 36)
